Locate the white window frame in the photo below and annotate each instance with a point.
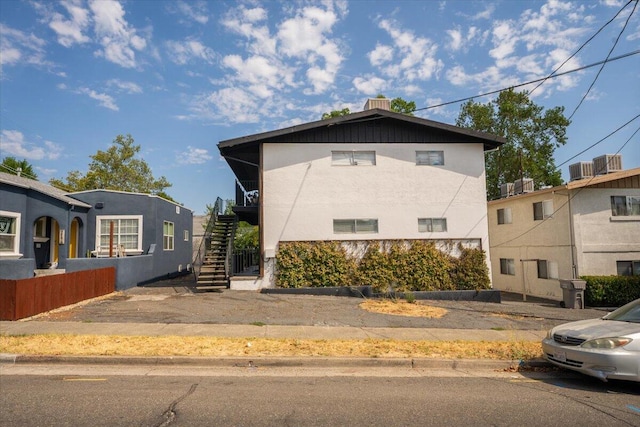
(625, 206)
(430, 158)
(432, 225)
(545, 208)
(508, 266)
(353, 158)
(356, 226)
(15, 251)
(185, 235)
(504, 216)
(547, 269)
(168, 239)
(129, 251)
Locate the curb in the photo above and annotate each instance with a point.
(278, 362)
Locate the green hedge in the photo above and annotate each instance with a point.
(611, 291)
(404, 267)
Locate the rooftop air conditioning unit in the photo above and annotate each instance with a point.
(580, 170)
(524, 185)
(607, 163)
(506, 190)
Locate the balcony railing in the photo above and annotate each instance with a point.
(247, 193)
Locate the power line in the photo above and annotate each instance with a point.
(625, 55)
(606, 60)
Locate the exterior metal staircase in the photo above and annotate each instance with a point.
(212, 266)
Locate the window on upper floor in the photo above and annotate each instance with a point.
(127, 232)
(9, 234)
(185, 235)
(504, 216)
(507, 266)
(547, 269)
(355, 226)
(431, 158)
(543, 210)
(167, 235)
(432, 225)
(625, 205)
(628, 268)
(353, 158)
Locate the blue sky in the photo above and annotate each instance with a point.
(181, 76)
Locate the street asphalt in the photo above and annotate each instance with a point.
(175, 307)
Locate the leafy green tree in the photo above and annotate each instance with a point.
(399, 105)
(336, 113)
(532, 136)
(18, 167)
(116, 169)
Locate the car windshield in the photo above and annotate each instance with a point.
(626, 313)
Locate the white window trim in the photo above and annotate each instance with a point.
(15, 253)
(352, 160)
(547, 210)
(172, 237)
(100, 218)
(185, 235)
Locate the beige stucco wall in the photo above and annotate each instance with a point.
(302, 192)
(526, 239)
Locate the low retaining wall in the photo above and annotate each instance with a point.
(489, 295)
(28, 297)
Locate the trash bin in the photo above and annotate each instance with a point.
(572, 293)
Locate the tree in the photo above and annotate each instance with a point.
(336, 113)
(399, 105)
(532, 136)
(116, 169)
(18, 167)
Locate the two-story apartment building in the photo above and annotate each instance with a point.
(589, 226)
(372, 175)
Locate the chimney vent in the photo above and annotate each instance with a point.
(381, 103)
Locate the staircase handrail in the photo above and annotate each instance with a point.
(199, 258)
(228, 261)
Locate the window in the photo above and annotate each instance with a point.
(186, 235)
(355, 226)
(432, 158)
(507, 266)
(432, 225)
(353, 158)
(543, 210)
(167, 236)
(504, 216)
(625, 205)
(9, 233)
(40, 227)
(547, 269)
(127, 232)
(628, 268)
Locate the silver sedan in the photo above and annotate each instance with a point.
(606, 348)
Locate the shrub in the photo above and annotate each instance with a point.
(321, 264)
(611, 291)
(470, 270)
(374, 269)
(427, 268)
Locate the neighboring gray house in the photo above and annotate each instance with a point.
(44, 230)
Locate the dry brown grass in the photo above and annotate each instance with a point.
(402, 308)
(109, 345)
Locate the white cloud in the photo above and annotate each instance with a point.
(380, 55)
(18, 47)
(194, 10)
(229, 105)
(118, 39)
(104, 100)
(188, 50)
(128, 87)
(70, 31)
(14, 143)
(248, 23)
(370, 86)
(194, 156)
(455, 39)
(257, 72)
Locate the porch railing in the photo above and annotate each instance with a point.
(247, 193)
(245, 261)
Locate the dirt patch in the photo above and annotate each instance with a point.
(113, 345)
(402, 308)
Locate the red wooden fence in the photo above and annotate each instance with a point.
(28, 297)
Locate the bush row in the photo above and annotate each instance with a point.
(402, 267)
(611, 291)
